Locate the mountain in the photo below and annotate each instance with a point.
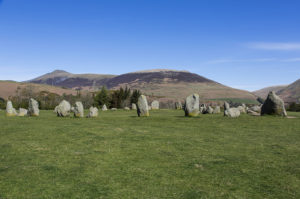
(9, 88)
(263, 93)
(291, 93)
(160, 83)
(69, 80)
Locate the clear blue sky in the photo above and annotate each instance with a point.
(244, 44)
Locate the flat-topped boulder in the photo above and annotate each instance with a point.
(22, 112)
(33, 108)
(93, 112)
(63, 109)
(273, 105)
(10, 110)
(142, 106)
(78, 109)
(126, 108)
(192, 105)
(155, 105)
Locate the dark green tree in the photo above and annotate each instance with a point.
(102, 98)
(135, 96)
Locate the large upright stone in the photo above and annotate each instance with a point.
(93, 112)
(63, 109)
(273, 105)
(178, 105)
(142, 106)
(22, 112)
(231, 112)
(10, 110)
(104, 108)
(155, 105)
(133, 106)
(78, 110)
(192, 105)
(33, 108)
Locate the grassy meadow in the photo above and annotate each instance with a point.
(119, 155)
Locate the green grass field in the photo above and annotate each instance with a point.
(119, 155)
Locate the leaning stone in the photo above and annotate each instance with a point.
(10, 111)
(155, 105)
(104, 108)
(142, 107)
(22, 112)
(231, 112)
(133, 106)
(63, 109)
(93, 112)
(33, 108)
(273, 105)
(217, 110)
(253, 113)
(78, 110)
(192, 105)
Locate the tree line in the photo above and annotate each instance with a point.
(119, 98)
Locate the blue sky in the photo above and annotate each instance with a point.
(244, 44)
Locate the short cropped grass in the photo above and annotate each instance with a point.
(119, 155)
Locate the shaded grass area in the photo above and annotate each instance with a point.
(119, 155)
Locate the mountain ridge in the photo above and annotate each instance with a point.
(166, 84)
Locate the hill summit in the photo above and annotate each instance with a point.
(164, 84)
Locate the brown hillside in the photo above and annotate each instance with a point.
(263, 93)
(291, 93)
(8, 88)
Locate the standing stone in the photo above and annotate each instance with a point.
(231, 112)
(33, 108)
(142, 106)
(63, 109)
(78, 110)
(273, 105)
(22, 112)
(210, 110)
(104, 108)
(178, 105)
(155, 105)
(93, 112)
(192, 105)
(133, 106)
(10, 111)
(217, 110)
